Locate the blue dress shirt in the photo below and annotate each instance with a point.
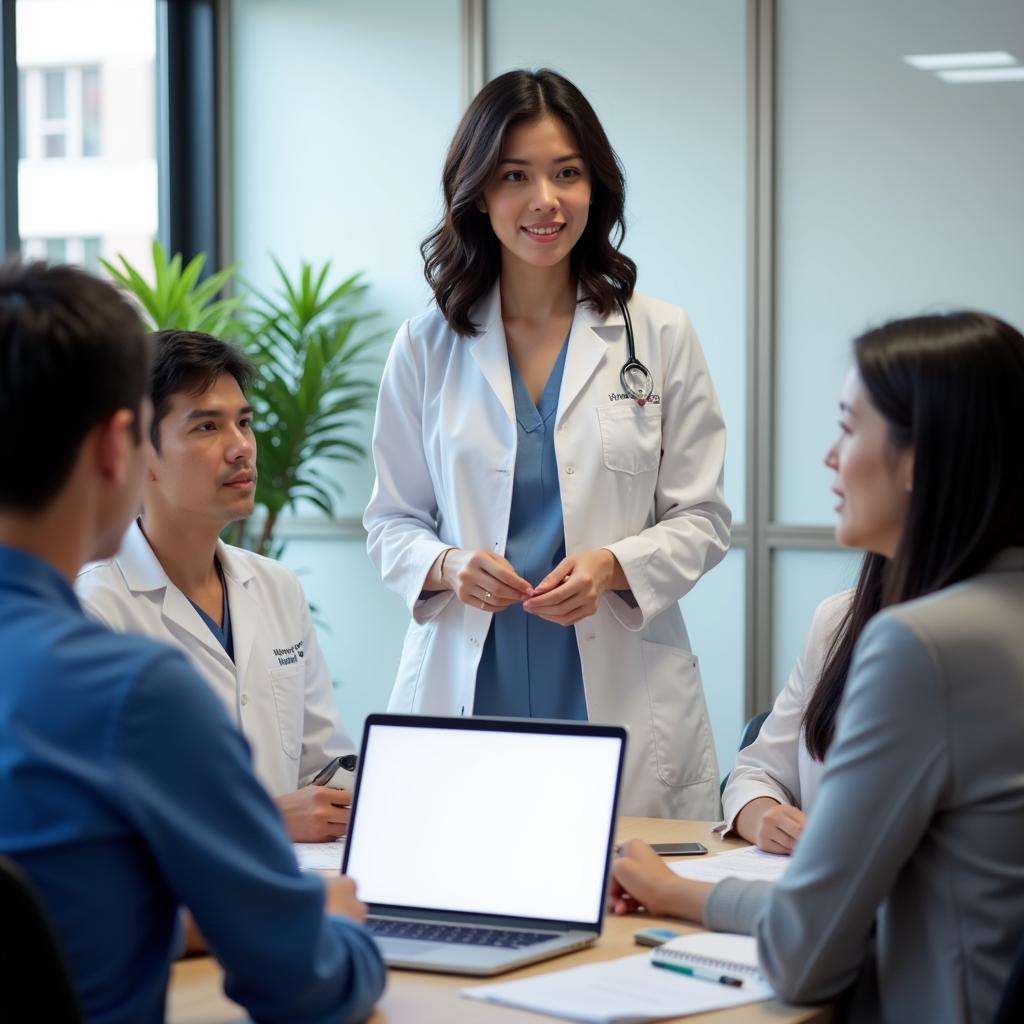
(531, 667)
(125, 792)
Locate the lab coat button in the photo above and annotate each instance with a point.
(245, 699)
(570, 470)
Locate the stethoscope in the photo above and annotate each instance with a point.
(636, 379)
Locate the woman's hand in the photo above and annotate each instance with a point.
(771, 826)
(573, 589)
(642, 880)
(483, 579)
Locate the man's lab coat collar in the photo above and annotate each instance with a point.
(143, 572)
(586, 349)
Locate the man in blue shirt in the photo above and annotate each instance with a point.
(125, 791)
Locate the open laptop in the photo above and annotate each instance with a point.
(482, 844)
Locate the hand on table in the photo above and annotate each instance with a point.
(315, 814)
(342, 899)
(483, 579)
(642, 881)
(573, 589)
(780, 828)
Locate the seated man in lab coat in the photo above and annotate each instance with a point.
(242, 619)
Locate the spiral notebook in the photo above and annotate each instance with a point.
(734, 956)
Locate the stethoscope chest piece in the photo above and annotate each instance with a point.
(636, 379)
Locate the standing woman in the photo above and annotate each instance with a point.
(529, 479)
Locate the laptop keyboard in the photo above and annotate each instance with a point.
(503, 938)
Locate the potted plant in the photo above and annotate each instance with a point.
(309, 341)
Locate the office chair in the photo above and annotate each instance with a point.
(749, 734)
(1011, 1006)
(34, 980)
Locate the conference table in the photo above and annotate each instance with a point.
(416, 997)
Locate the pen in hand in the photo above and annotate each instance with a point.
(347, 761)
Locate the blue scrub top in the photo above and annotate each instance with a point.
(223, 634)
(530, 668)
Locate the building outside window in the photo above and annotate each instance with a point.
(87, 174)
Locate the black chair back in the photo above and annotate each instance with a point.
(34, 981)
(749, 734)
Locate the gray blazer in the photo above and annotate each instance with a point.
(907, 885)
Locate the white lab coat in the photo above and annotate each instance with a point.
(778, 764)
(278, 690)
(645, 482)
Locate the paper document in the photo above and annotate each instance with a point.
(627, 991)
(750, 862)
(320, 856)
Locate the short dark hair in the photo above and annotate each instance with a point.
(189, 362)
(73, 352)
(462, 256)
(949, 387)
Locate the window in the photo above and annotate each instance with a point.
(85, 252)
(60, 112)
(87, 174)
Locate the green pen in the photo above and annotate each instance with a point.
(704, 973)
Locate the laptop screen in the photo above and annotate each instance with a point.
(488, 816)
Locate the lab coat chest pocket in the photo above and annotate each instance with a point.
(289, 697)
(630, 437)
(682, 743)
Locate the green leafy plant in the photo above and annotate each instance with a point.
(308, 338)
(177, 298)
(309, 342)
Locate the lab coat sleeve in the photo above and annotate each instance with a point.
(324, 735)
(770, 765)
(218, 842)
(690, 534)
(401, 518)
(888, 766)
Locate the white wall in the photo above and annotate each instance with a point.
(342, 114)
(898, 194)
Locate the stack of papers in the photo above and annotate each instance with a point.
(750, 863)
(320, 856)
(627, 991)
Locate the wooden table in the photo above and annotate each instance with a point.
(415, 997)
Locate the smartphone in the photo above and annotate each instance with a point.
(655, 936)
(678, 849)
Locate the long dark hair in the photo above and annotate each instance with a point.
(462, 256)
(950, 387)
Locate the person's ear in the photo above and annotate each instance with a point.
(481, 205)
(115, 444)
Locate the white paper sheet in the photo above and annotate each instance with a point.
(750, 862)
(627, 991)
(320, 856)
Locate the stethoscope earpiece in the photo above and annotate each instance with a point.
(636, 379)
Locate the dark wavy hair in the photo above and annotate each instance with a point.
(949, 387)
(462, 256)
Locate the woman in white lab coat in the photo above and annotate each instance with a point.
(522, 489)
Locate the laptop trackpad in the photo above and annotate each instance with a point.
(411, 949)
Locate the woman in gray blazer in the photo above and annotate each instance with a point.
(905, 896)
